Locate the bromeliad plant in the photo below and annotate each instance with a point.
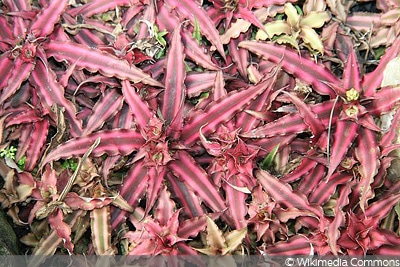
(163, 128)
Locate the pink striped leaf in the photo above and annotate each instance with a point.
(385, 100)
(367, 153)
(244, 120)
(76, 202)
(236, 201)
(390, 135)
(48, 246)
(247, 14)
(324, 191)
(192, 11)
(20, 25)
(191, 227)
(351, 73)
(333, 229)
(303, 68)
(96, 60)
(165, 206)
(19, 72)
(27, 116)
(156, 177)
(190, 202)
(221, 110)
(305, 167)
(189, 172)
(6, 31)
(112, 142)
(372, 81)
(63, 230)
(51, 92)
(44, 23)
(98, 7)
(196, 52)
(83, 36)
(311, 180)
(346, 132)
(288, 124)
(132, 190)
(103, 110)
(283, 193)
(174, 93)
(296, 245)
(239, 55)
(310, 118)
(6, 63)
(381, 208)
(197, 83)
(139, 108)
(37, 142)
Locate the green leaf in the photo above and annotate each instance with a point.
(160, 36)
(196, 31)
(8, 152)
(266, 164)
(21, 163)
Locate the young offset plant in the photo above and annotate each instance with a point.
(162, 127)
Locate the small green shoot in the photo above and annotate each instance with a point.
(160, 36)
(8, 152)
(21, 163)
(70, 164)
(196, 31)
(267, 163)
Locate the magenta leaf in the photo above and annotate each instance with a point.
(139, 108)
(303, 68)
(96, 60)
(385, 100)
(296, 245)
(191, 11)
(62, 229)
(97, 7)
(333, 232)
(103, 110)
(19, 73)
(367, 153)
(239, 55)
(196, 52)
(236, 201)
(197, 83)
(165, 207)
(156, 177)
(373, 80)
(308, 115)
(132, 190)
(189, 200)
(288, 124)
(51, 92)
(76, 202)
(346, 132)
(112, 142)
(49, 16)
(5, 64)
(189, 172)
(283, 193)
(37, 142)
(323, 192)
(227, 107)
(174, 93)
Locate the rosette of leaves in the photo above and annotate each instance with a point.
(297, 26)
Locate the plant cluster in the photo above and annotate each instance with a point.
(166, 127)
